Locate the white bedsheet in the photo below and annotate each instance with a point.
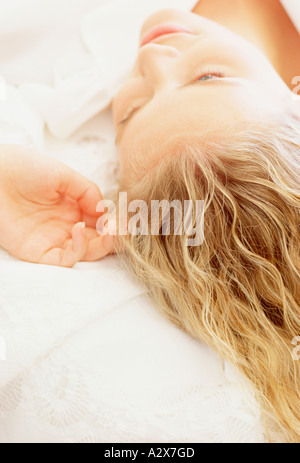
(84, 356)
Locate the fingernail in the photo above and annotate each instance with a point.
(83, 229)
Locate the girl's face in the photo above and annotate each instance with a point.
(189, 84)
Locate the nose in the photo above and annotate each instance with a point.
(157, 64)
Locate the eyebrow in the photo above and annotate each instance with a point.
(223, 81)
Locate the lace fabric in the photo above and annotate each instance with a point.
(55, 402)
(90, 359)
(119, 373)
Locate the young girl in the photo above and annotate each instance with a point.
(210, 115)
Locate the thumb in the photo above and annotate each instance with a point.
(70, 254)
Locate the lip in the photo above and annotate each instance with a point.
(163, 29)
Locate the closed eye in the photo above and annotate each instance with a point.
(130, 113)
(210, 76)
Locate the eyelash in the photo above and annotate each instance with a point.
(209, 71)
(131, 110)
(214, 74)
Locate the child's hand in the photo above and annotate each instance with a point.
(43, 208)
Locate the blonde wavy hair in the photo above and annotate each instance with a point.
(239, 291)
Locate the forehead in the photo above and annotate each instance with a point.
(194, 110)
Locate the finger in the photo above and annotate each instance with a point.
(73, 252)
(91, 233)
(91, 221)
(82, 190)
(99, 248)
